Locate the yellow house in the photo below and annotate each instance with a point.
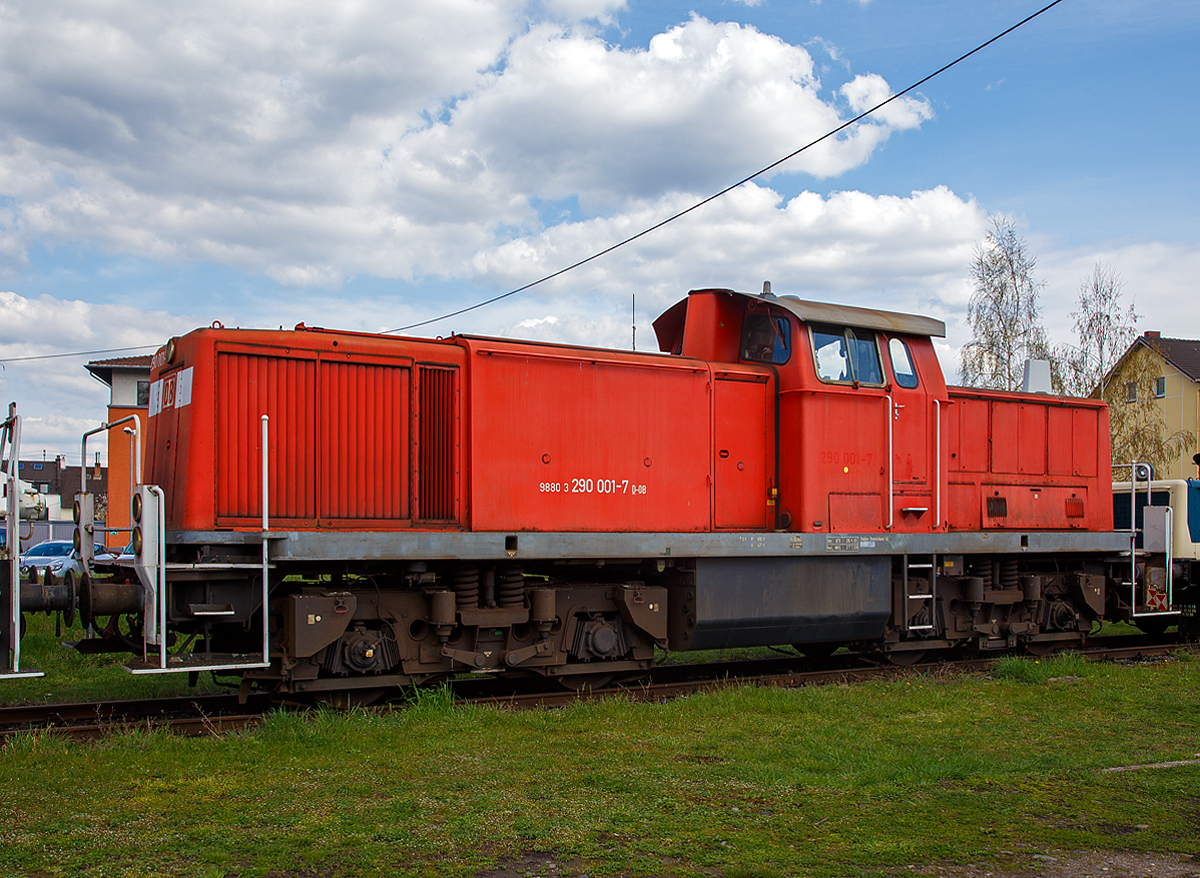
(1153, 394)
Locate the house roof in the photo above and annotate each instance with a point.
(103, 369)
(1182, 353)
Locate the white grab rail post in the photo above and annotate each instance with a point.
(162, 575)
(10, 434)
(891, 414)
(937, 470)
(266, 526)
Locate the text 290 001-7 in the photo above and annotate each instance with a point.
(592, 486)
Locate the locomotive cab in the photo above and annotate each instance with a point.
(859, 412)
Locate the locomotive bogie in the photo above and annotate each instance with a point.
(404, 636)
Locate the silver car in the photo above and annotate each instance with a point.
(53, 557)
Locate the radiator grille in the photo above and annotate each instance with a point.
(435, 444)
(248, 387)
(363, 436)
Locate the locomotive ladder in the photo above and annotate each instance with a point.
(155, 635)
(920, 575)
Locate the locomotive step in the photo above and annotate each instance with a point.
(210, 662)
(211, 609)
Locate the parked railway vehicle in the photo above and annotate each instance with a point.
(327, 511)
(1166, 562)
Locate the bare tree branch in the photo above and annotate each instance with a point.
(1104, 328)
(1003, 313)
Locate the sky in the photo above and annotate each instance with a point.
(371, 165)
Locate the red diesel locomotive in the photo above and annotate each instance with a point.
(782, 472)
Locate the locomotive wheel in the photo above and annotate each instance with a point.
(349, 698)
(580, 682)
(1042, 647)
(906, 658)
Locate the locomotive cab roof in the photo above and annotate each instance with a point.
(669, 327)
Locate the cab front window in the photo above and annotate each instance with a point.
(766, 339)
(846, 354)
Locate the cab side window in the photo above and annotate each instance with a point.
(902, 364)
(846, 354)
(829, 345)
(766, 339)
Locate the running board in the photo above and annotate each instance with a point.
(194, 663)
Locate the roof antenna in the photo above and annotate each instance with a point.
(766, 293)
(634, 327)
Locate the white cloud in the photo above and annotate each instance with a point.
(56, 397)
(868, 90)
(704, 103)
(848, 247)
(583, 10)
(1160, 278)
(311, 142)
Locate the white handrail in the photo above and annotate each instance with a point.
(266, 524)
(1169, 524)
(10, 434)
(891, 499)
(162, 574)
(1170, 560)
(12, 429)
(937, 459)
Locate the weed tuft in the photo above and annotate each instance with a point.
(437, 701)
(1020, 669)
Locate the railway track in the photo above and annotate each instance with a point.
(216, 714)
(86, 721)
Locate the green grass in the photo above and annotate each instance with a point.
(1059, 668)
(70, 676)
(835, 780)
(700, 656)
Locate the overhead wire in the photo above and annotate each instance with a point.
(731, 186)
(141, 347)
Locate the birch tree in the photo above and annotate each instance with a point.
(1104, 329)
(1003, 313)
